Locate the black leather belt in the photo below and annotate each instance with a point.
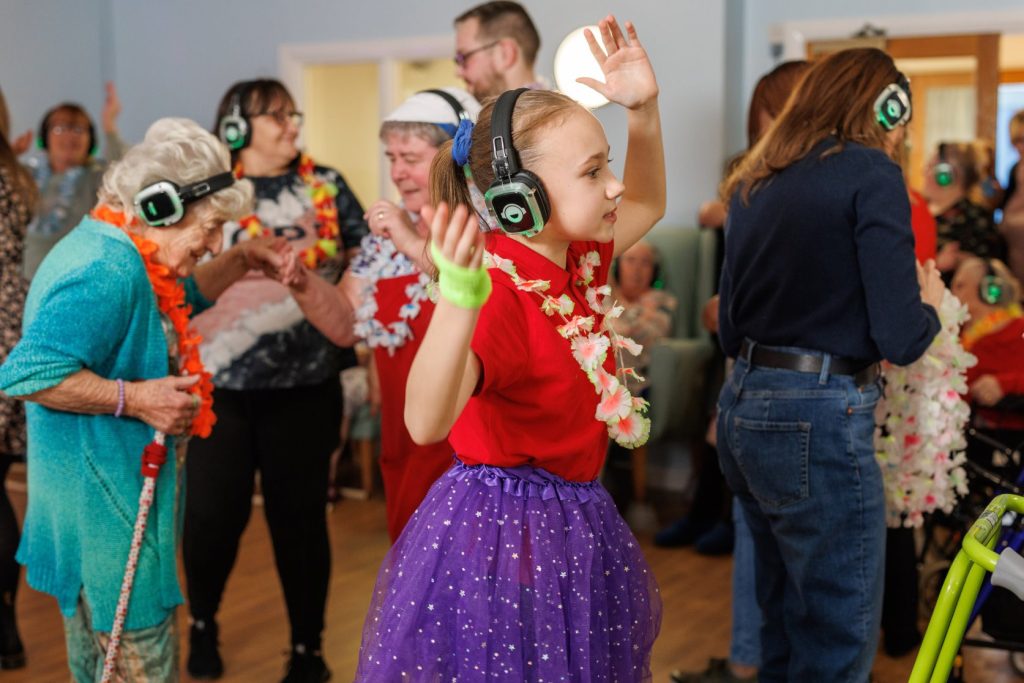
(806, 362)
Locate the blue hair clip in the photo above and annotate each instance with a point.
(462, 142)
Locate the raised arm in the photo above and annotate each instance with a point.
(630, 81)
(446, 371)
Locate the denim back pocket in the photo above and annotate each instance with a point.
(774, 459)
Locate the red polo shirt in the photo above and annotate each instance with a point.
(534, 406)
(999, 354)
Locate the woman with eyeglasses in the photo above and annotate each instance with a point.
(276, 384)
(69, 173)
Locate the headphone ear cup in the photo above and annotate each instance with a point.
(944, 174)
(533, 182)
(234, 132)
(991, 289)
(656, 281)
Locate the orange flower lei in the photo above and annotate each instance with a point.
(170, 299)
(323, 195)
(989, 324)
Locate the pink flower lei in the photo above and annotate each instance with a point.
(624, 413)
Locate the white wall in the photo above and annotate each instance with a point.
(52, 51)
(215, 43)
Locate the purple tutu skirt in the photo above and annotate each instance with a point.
(512, 574)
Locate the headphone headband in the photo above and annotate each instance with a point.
(516, 198)
(163, 203)
(504, 159)
(453, 102)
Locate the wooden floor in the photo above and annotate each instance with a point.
(254, 631)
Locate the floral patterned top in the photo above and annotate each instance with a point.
(970, 225)
(14, 217)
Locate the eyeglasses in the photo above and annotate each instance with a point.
(62, 130)
(462, 57)
(284, 117)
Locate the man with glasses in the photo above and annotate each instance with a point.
(496, 45)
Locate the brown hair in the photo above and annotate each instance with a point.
(770, 95)
(505, 19)
(963, 156)
(22, 184)
(835, 98)
(254, 98)
(1017, 125)
(534, 111)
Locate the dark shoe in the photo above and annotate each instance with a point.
(718, 671)
(12, 652)
(306, 667)
(204, 662)
(682, 532)
(718, 541)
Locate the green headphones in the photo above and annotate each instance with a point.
(992, 289)
(943, 172)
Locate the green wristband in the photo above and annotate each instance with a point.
(461, 286)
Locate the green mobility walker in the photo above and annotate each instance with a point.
(960, 590)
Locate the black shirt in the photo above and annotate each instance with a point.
(823, 258)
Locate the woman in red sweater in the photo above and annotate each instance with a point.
(995, 334)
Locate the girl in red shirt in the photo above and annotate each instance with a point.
(517, 566)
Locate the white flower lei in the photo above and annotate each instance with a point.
(919, 438)
(624, 413)
(382, 260)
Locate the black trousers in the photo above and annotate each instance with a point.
(287, 435)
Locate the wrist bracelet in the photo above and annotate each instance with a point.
(120, 398)
(461, 286)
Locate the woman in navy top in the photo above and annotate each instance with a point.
(819, 284)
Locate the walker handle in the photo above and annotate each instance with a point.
(1009, 573)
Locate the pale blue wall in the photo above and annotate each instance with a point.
(235, 39)
(50, 51)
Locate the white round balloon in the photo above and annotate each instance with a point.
(573, 60)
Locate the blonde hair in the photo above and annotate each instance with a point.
(181, 151)
(535, 110)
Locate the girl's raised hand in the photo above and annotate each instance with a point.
(629, 77)
(456, 234)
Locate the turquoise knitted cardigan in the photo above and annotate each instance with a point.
(91, 306)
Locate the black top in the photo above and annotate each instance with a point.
(970, 226)
(823, 258)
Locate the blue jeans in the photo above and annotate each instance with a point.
(745, 644)
(797, 450)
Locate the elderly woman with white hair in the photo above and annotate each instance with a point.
(382, 297)
(105, 359)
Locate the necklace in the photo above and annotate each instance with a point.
(170, 299)
(989, 324)
(322, 193)
(624, 413)
(379, 259)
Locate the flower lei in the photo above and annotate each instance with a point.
(380, 259)
(170, 298)
(624, 413)
(322, 194)
(919, 438)
(990, 323)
